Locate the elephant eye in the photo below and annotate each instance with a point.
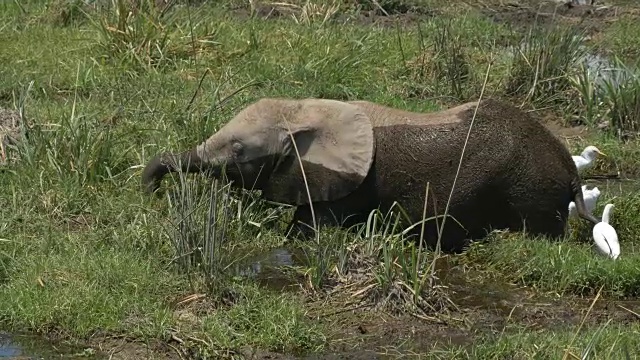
(238, 148)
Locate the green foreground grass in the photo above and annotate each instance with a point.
(83, 253)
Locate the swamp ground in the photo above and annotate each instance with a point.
(92, 268)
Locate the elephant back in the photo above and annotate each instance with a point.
(381, 115)
(539, 146)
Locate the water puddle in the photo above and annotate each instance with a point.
(272, 269)
(602, 70)
(616, 187)
(269, 269)
(32, 347)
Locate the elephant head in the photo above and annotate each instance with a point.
(266, 144)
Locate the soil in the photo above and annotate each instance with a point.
(364, 334)
(125, 349)
(589, 17)
(520, 15)
(484, 307)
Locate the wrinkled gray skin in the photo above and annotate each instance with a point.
(359, 156)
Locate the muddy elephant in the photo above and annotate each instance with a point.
(359, 156)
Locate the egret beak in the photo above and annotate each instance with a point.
(600, 152)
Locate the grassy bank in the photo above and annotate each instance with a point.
(86, 258)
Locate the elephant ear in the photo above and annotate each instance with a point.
(329, 144)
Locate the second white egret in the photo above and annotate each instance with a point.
(605, 236)
(590, 200)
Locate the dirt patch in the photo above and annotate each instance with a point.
(373, 18)
(523, 16)
(361, 334)
(536, 312)
(564, 132)
(79, 222)
(358, 328)
(127, 349)
(485, 308)
(382, 331)
(11, 123)
(366, 17)
(266, 11)
(562, 128)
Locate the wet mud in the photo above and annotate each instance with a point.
(524, 14)
(32, 347)
(485, 308)
(269, 269)
(19, 346)
(520, 15)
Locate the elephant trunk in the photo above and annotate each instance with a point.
(162, 164)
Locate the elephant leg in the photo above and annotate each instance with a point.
(327, 215)
(539, 210)
(469, 218)
(454, 238)
(550, 223)
(301, 226)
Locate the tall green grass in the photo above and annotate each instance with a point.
(610, 93)
(442, 68)
(622, 97)
(150, 35)
(542, 63)
(208, 220)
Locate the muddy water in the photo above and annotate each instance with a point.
(32, 347)
(603, 71)
(615, 187)
(465, 293)
(269, 268)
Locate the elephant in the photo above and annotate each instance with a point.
(347, 158)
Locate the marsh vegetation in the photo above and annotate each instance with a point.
(203, 271)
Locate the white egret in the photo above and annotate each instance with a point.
(605, 235)
(588, 156)
(590, 199)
